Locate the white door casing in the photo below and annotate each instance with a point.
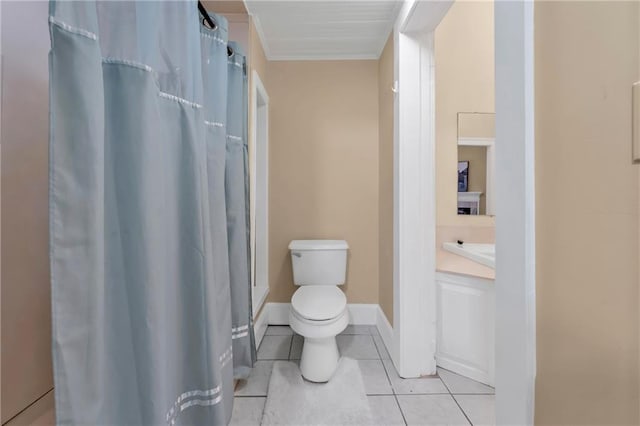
(414, 331)
(259, 192)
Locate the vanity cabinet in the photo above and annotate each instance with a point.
(465, 325)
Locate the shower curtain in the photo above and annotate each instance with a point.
(151, 297)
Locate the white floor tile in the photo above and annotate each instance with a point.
(385, 411)
(258, 382)
(279, 330)
(460, 384)
(375, 377)
(357, 346)
(427, 410)
(274, 347)
(382, 349)
(480, 409)
(357, 329)
(296, 347)
(247, 411)
(423, 385)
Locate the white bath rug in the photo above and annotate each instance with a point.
(291, 400)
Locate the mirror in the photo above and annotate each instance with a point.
(476, 155)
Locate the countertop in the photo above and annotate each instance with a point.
(450, 262)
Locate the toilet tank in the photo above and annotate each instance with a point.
(319, 262)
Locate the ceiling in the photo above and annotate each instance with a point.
(323, 29)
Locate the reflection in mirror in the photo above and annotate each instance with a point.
(476, 153)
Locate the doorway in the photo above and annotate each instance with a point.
(414, 333)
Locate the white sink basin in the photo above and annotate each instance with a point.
(484, 254)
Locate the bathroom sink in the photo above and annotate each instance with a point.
(484, 254)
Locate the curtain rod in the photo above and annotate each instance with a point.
(205, 15)
(211, 23)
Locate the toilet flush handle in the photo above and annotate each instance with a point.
(296, 254)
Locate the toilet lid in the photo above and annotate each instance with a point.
(319, 302)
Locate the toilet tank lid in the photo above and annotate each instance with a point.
(318, 245)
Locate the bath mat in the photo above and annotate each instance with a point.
(291, 400)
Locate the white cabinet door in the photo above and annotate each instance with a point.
(465, 326)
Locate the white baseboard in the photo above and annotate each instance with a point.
(386, 332)
(464, 369)
(362, 314)
(278, 313)
(359, 313)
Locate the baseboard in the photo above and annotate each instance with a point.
(278, 313)
(464, 370)
(362, 313)
(386, 332)
(359, 313)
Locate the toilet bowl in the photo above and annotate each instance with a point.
(319, 314)
(319, 308)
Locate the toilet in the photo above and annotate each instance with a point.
(319, 308)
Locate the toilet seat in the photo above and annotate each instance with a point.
(319, 303)
(317, 323)
(318, 311)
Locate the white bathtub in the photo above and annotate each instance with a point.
(481, 253)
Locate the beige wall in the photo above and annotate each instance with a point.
(587, 214)
(26, 297)
(225, 7)
(385, 179)
(472, 125)
(323, 155)
(464, 83)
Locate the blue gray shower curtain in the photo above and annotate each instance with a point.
(149, 248)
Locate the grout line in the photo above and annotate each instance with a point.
(377, 350)
(422, 394)
(30, 405)
(471, 393)
(250, 396)
(455, 400)
(444, 383)
(389, 378)
(404, 419)
(290, 348)
(460, 407)
(393, 389)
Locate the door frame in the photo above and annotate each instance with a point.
(259, 192)
(414, 327)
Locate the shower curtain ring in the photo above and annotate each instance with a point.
(212, 25)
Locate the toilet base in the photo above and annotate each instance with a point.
(319, 359)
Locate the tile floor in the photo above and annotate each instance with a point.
(448, 399)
